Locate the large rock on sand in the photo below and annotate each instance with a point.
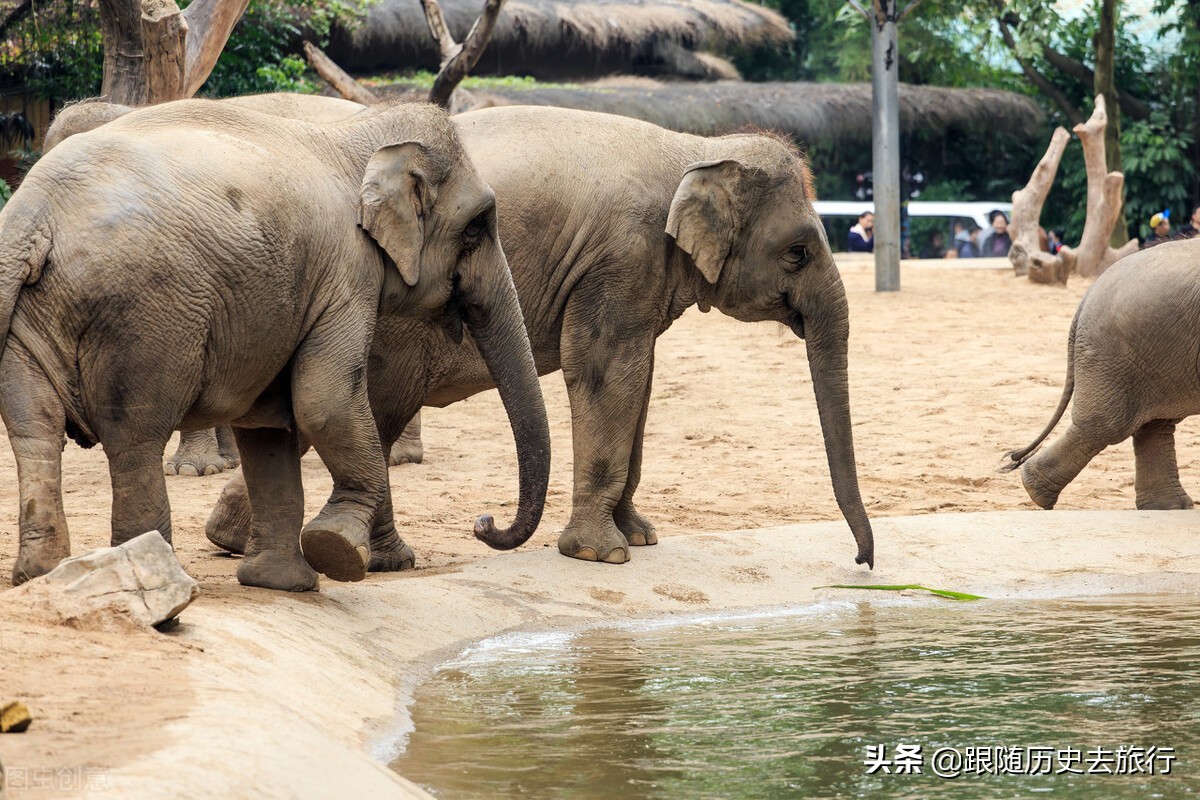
(139, 582)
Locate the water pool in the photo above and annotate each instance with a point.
(797, 703)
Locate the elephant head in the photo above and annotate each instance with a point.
(746, 219)
(435, 219)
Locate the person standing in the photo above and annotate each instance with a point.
(862, 234)
(997, 241)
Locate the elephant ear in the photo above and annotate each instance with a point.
(395, 200)
(702, 217)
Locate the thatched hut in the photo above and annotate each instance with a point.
(810, 112)
(569, 39)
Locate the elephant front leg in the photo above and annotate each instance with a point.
(271, 466)
(1157, 469)
(35, 421)
(329, 400)
(607, 380)
(637, 529)
(204, 452)
(1048, 472)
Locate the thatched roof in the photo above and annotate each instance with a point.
(811, 112)
(563, 39)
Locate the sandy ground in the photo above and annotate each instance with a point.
(261, 694)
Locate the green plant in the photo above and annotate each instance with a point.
(1158, 169)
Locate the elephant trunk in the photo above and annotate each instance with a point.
(496, 325)
(828, 333)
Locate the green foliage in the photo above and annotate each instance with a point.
(949, 595)
(5, 192)
(1158, 170)
(56, 50)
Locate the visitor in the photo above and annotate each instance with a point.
(936, 247)
(862, 234)
(1160, 229)
(1054, 241)
(1192, 227)
(997, 241)
(968, 245)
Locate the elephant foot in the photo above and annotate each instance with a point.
(637, 529)
(594, 544)
(36, 564)
(228, 526)
(199, 453)
(1041, 490)
(1167, 502)
(276, 571)
(397, 559)
(406, 451)
(335, 544)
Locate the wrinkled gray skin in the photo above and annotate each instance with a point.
(1133, 367)
(614, 227)
(207, 451)
(195, 263)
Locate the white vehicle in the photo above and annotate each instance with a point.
(946, 209)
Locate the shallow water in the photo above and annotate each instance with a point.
(787, 705)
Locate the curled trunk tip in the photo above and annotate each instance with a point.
(507, 539)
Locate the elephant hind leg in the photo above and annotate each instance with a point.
(36, 422)
(408, 449)
(638, 530)
(1048, 472)
(1157, 480)
(204, 452)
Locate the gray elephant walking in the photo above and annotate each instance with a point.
(614, 227)
(196, 263)
(1133, 368)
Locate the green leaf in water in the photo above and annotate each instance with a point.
(900, 588)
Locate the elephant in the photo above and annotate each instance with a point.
(196, 263)
(614, 228)
(205, 451)
(1132, 371)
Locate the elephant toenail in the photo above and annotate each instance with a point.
(637, 539)
(587, 554)
(364, 554)
(617, 556)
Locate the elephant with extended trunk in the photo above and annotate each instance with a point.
(613, 228)
(196, 263)
(1132, 367)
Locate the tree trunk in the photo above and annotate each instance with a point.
(1028, 202)
(155, 53)
(1105, 85)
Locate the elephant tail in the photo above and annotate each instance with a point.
(24, 250)
(1016, 458)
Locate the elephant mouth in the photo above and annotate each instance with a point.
(796, 323)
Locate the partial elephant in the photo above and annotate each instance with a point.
(196, 263)
(1132, 370)
(614, 227)
(205, 451)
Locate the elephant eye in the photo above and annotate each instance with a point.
(796, 255)
(473, 234)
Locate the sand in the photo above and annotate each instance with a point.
(264, 694)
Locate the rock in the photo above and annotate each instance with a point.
(14, 718)
(140, 581)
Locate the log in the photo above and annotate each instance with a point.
(1094, 255)
(1028, 202)
(164, 45)
(337, 77)
(457, 59)
(210, 22)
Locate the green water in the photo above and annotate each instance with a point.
(787, 705)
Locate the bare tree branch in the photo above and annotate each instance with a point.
(1130, 105)
(439, 30)
(209, 23)
(908, 9)
(1038, 79)
(855, 5)
(15, 15)
(338, 78)
(1027, 206)
(464, 59)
